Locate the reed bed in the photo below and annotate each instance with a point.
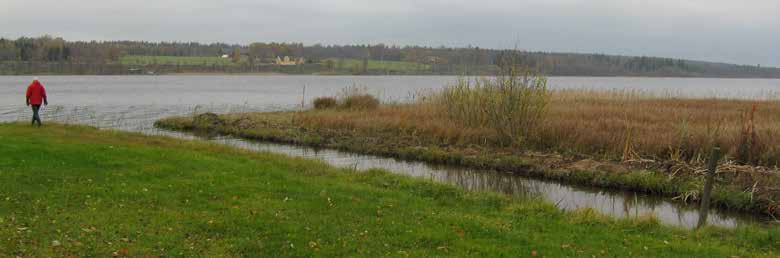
(618, 125)
(613, 125)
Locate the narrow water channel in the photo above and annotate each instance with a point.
(619, 204)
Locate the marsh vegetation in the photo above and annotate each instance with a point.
(513, 122)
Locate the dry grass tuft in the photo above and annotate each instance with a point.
(324, 103)
(360, 102)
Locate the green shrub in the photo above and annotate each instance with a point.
(208, 122)
(324, 103)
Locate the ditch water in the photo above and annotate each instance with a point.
(133, 103)
(617, 204)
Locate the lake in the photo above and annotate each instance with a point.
(133, 103)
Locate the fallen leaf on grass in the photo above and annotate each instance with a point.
(121, 252)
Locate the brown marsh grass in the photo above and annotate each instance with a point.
(614, 125)
(628, 126)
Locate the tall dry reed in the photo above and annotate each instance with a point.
(512, 104)
(615, 125)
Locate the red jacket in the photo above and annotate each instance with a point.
(36, 93)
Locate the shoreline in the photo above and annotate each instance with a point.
(379, 75)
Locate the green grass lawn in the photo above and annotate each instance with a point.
(380, 65)
(78, 191)
(183, 60)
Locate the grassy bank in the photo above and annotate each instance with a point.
(609, 139)
(174, 60)
(351, 66)
(337, 66)
(78, 191)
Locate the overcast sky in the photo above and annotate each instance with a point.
(734, 31)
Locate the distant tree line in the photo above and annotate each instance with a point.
(427, 60)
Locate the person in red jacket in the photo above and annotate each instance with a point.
(36, 95)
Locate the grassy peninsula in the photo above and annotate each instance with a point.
(615, 139)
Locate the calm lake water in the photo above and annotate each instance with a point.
(133, 103)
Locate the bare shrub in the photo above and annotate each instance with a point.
(357, 98)
(324, 103)
(361, 102)
(513, 103)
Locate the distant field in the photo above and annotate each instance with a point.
(342, 66)
(183, 60)
(379, 65)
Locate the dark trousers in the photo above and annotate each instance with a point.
(36, 117)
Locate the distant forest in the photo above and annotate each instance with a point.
(49, 55)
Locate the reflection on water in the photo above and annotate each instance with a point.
(614, 203)
(134, 103)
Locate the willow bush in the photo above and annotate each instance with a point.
(512, 103)
(324, 103)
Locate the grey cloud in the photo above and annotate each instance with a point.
(716, 30)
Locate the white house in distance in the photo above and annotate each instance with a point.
(288, 61)
(224, 56)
